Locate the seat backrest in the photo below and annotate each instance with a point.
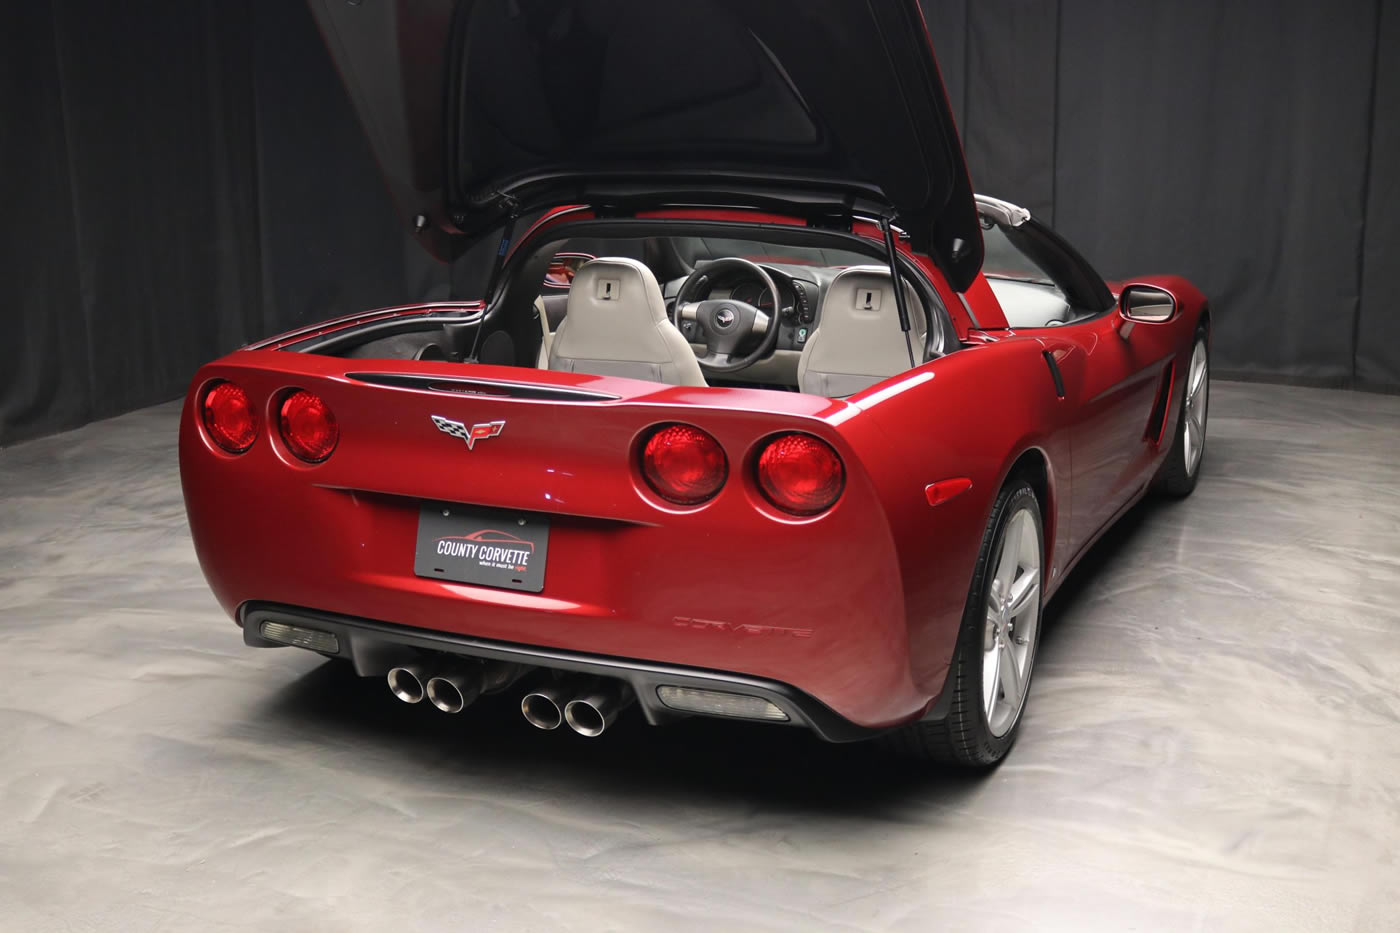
(617, 326)
(858, 341)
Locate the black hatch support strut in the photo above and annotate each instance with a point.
(495, 279)
(897, 283)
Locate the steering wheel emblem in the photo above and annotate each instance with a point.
(724, 317)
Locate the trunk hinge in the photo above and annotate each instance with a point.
(901, 301)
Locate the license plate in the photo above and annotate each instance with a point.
(488, 547)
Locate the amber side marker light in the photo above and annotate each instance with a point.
(801, 474)
(229, 417)
(684, 465)
(308, 426)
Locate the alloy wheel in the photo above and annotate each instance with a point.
(1012, 624)
(1197, 398)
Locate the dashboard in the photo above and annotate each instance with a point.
(798, 300)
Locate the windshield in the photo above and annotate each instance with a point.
(1005, 261)
(678, 255)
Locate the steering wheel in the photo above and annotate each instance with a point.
(726, 323)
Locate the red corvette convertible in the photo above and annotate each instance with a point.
(761, 414)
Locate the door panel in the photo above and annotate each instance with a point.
(1111, 382)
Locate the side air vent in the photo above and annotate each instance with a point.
(1055, 373)
(1158, 419)
(500, 389)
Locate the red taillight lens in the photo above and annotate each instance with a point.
(229, 417)
(801, 474)
(684, 464)
(308, 426)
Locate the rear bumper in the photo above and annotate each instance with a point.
(374, 646)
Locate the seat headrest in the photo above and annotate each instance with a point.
(616, 325)
(614, 286)
(858, 340)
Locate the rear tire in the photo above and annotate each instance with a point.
(1000, 626)
(1178, 473)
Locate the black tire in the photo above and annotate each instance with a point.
(1175, 478)
(964, 737)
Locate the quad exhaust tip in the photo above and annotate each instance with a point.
(454, 690)
(589, 705)
(594, 711)
(406, 682)
(543, 708)
(584, 718)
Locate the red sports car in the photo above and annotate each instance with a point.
(693, 450)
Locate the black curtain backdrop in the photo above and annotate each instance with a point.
(180, 177)
(1252, 146)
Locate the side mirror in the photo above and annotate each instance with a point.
(1147, 304)
(563, 267)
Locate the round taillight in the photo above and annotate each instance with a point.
(229, 417)
(684, 464)
(308, 426)
(801, 474)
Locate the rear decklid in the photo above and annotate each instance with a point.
(478, 109)
(562, 443)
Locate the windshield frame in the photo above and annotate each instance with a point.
(1044, 249)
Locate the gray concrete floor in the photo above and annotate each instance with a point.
(1212, 743)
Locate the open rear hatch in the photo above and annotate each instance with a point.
(483, 109)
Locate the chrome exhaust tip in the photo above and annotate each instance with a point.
(592, 713)
(454, 690)
(543, 707)
(406, 682)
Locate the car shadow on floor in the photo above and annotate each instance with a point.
(693, 760)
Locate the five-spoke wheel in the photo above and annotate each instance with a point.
(1013, 618)
(1197, 399)
(995, 656)
(1178, 473)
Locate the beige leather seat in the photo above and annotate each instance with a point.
(617, 326)
(858, 342)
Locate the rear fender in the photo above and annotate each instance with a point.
(969, 415)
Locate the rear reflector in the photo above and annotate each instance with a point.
(299, 637)
(229, 417)
(801, 474)
(715, 703)
(684, 465)
(308, 426)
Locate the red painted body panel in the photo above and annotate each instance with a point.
(859, 606)
(623, 567)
